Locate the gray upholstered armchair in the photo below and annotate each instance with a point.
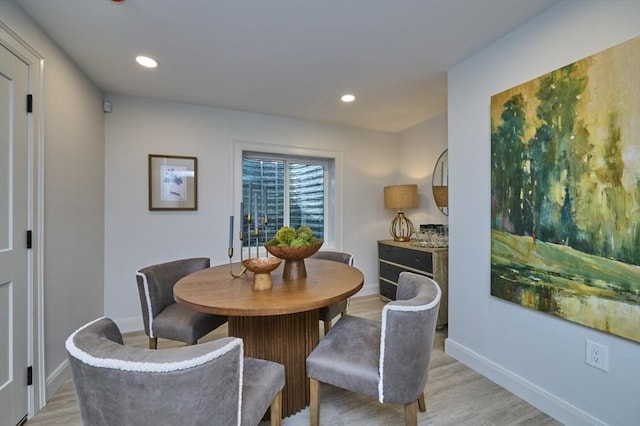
(161, 315)
(388, 361)
(211, 383)
(328, 313)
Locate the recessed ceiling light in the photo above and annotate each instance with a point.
(347, 98)
(146, 61)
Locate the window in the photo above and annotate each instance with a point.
(291, 191)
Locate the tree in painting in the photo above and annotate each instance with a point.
(565, 180)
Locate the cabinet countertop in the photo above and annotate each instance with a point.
(408, 245)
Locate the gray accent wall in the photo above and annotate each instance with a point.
(73, 198)
(539, 357)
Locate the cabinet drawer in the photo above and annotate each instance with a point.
(388, 290)
(416, 259)
(392, 272)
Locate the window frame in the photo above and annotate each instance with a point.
(327, 165)
(333, 190)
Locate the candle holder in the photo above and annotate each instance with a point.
(254, 227)
(230, 253)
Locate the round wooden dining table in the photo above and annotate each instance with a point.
(280, 324)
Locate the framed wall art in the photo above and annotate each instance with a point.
(173, 182)
(565, 192)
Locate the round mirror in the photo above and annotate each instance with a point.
(440, 183)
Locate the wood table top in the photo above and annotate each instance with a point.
(215, 291)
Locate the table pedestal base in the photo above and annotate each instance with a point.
(286, 339)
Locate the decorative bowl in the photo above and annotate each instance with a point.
(261, 268)
(293, 252)
(293, 257)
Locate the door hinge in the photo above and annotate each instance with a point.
(29, 103)
(29, 375)
(29, 239)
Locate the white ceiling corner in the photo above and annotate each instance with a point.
(292, 58)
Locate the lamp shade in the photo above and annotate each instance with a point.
(400, 196)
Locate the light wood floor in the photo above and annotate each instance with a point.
(455, 394)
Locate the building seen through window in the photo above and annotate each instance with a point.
(290, 190)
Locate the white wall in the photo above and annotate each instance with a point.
(537, 356)
(136, 237)
(419, 149)
(73, 193)
(81, 203)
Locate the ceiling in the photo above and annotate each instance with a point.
(291, 58)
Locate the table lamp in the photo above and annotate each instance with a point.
(400, 197)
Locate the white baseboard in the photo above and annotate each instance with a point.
(63, 373)
(128, 325)
(58, 378)
(368, 290)
(530, 392)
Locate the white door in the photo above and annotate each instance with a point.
(14, 175)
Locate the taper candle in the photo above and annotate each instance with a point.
(241, 216)
(230, 231)
(264, 201)
(255, 212)
(249, 197)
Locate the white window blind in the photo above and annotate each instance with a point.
(290, 190)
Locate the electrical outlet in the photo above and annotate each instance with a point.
(597, 355)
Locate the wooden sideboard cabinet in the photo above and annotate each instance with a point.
(395, 257)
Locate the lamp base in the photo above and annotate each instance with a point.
(401, 228)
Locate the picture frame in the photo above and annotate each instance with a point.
(565, 227)
(173, 182)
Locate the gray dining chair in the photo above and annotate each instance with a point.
(210, 383)
(387, 360)
(328, 313)
(162, 316)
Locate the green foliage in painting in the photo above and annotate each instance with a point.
(563, 185)
(565, 192)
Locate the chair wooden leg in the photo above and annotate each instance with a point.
(327, 327)
(421, 404)
(411, 413)
(276, 410)
(153, 343)
(314, 410)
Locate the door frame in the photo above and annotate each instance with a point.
(35, 292)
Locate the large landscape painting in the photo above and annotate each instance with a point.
(565, 192)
